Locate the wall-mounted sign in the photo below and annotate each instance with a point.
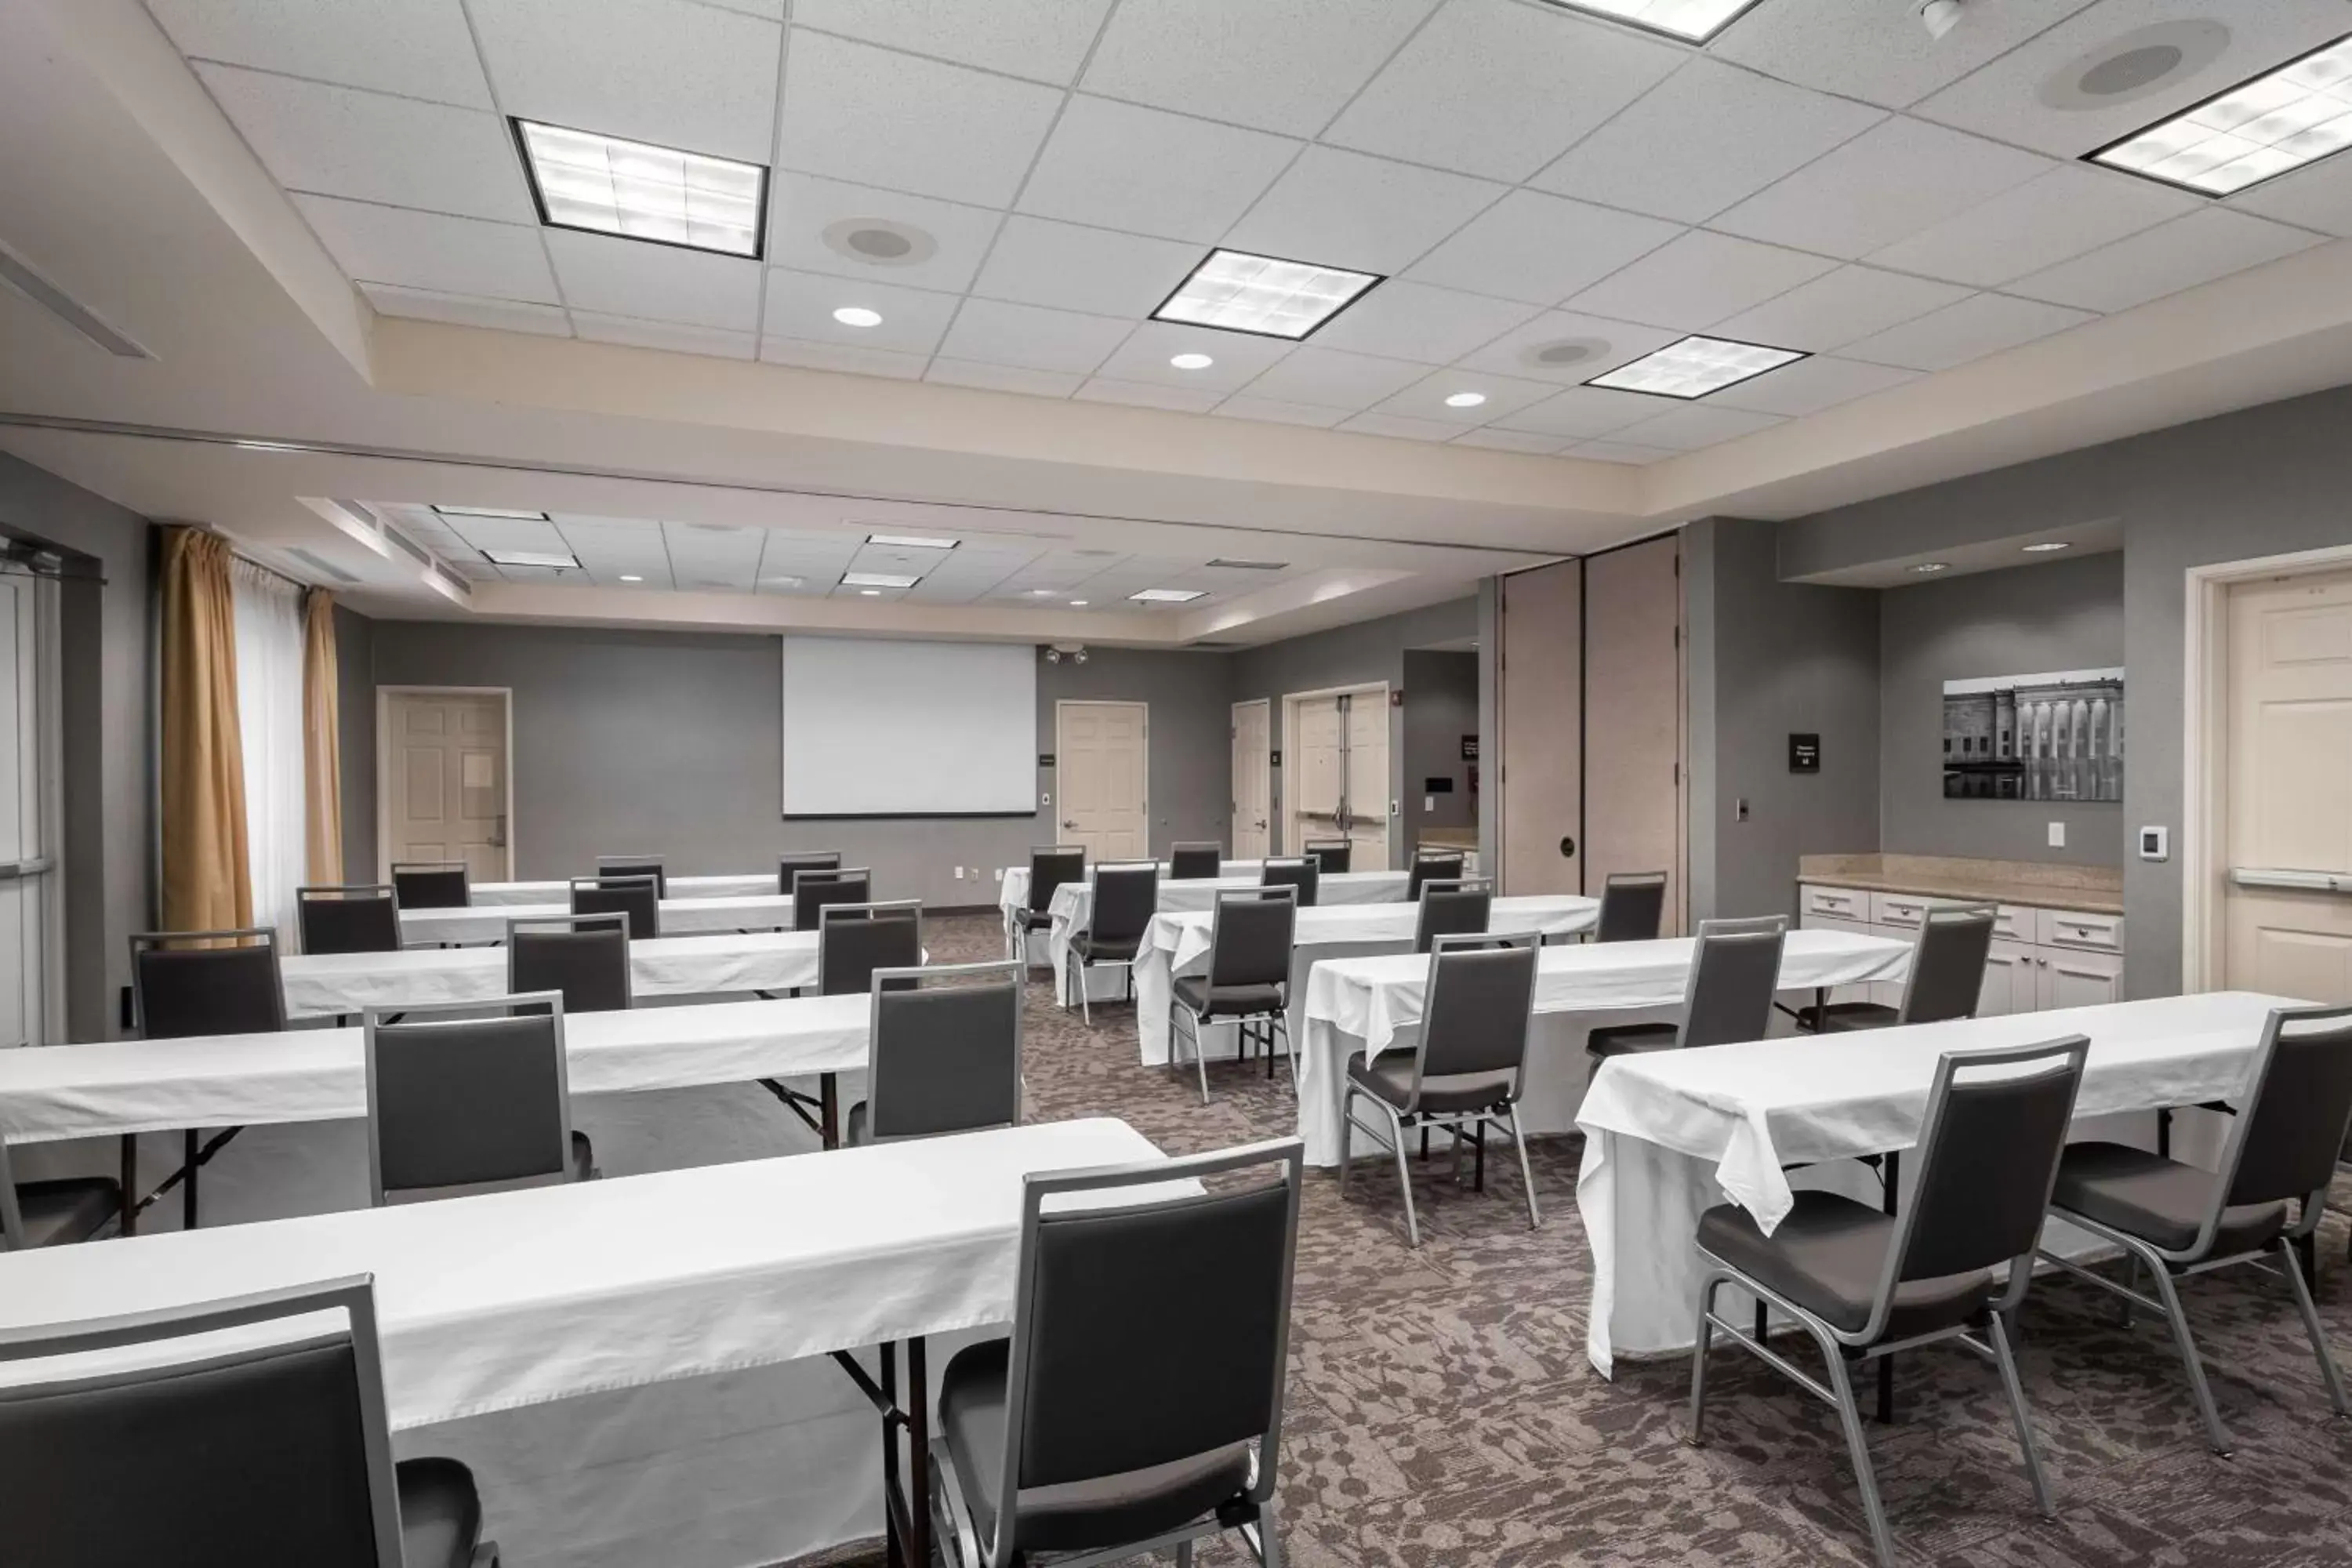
(1438, 784)
(1044, 759)
(1469, 748)
(1804, 753)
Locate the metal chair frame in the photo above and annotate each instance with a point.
(615, 866)
(464, 871)
(1421, 936)
(529, 923)
(389, 892)
(441, 1015)
(1012, 970)
(1017, 933)
(910, 910)
(195, 1153)
(1093, 888)
(1267, 1024)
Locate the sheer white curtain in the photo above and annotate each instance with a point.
(270, 717)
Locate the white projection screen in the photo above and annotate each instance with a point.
(909, 729)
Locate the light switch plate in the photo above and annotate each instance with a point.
(2156, 844)
(2057, 835)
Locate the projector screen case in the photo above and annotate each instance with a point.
(884, 728)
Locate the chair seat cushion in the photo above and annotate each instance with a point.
(1625, 1040)
(1828, 1255)
(74, 1208)
(1032, 920)
(1207, 1001)
(1390, 1078)
(1112, 950)
(1840, 1018)
(2161, 1201)
(1072, 1515)
(440, 1513)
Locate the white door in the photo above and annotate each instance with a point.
(1539, 762)
(1634, 712)
(1368, 778)
(444, 774)
(2290, 729)
(1313, 775)
(1102, 768)
(1253, 787)
(27, 878)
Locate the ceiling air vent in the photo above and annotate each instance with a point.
(408, 546)
(22, 276)
(319, 564)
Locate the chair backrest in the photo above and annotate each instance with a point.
(1193, 859)
(1633, 907)
(790, 866)
(1457, 906)
(456, 1099)
(584, 958)
(1297, 871)
(1329, 855)
(1948, 964)
(271, 1452)
(1735, 969)
(1480, 995)
(1178, 1304)
(352, 918)
(1126, 897)
(1051, 866)
(1989, 1147)
(813, 890)
(944, 1053)
(1431, 866)
(2292, 1123)
(12, 1216)
(207, 983)
(853, 940)
(608, 866)
(638, 897)
(432, 884)
(1250, 935)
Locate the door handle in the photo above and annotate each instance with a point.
(2292, 880)
(1261, 822)
(1072, 825)
(1568, 846)
(499, 833)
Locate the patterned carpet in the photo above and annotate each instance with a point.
(1442, 1413)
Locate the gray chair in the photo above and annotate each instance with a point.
(813, 890)
(277, 1451)
(611, 866)
(1865, 1284)
(1248, 982)
(1138, 1404)
(638, 897)
(56, 1212)
(943, 1052)
(1431, 866)
(1735, 968)
(1633, 907)
(2174, 1221)
(1051, 866)
(1126, 895)
(355, 917)
(187, 983)
(457, 1100)
(432, 884)
(854, 940)
(790, 866)
(583, 958)
(1192, 860)
(1467, 1068)
(1300, 871)
(1330, 855)
(1458, 906)
(1947, 976)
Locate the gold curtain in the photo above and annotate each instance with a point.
(322, 743)
(207, 884)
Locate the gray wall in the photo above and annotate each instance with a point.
(108, 835)
(2264, 482)
(1440, 706)
(1767, 659)
(2065, 614)
(355, 712)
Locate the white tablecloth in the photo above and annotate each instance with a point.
(1669, 1134)
(679, 917)
(1373, 1004)
(730, 886)
(325, 984)
(1073, 905)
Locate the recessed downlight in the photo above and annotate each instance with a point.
(1262, 295)
(631, 577)
(870, 593)
(1077, 604)
(1190, 361)
(2046, 546)
(1465, 399)
(857, 316)
(1933, 566)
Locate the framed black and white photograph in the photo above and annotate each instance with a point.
(2056, 736)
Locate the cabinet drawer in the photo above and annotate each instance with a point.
(1837, 904)
(1903, 910)
(2016, 923)
(2072, 928)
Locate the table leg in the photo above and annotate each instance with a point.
(919, 1452)
(188, 1214)
(1894, 1176)
(2163, 1132)
(131, 1184)
(1821, 1008)
(829, 1110)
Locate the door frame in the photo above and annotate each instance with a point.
(1264, 771)
(1288, 816)
(2205, 715)
(1062, 702)
(383, 695)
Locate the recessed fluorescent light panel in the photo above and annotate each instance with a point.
(2045, 547)
(531, 558)
(2280, 121)
(912, 541)
(490, 511)
(1168, 595)
(1249, 565)
(1695, 367)
(606, 185)
(1262, 295)
(876, 580)
(1693, 21)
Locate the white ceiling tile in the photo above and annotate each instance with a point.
(667, 335)
(801, 305)
(1618, 452)
(499, 315)
(1837, 308)
(803, 209)
(1811, 385)
(1148, 395)
(1583, 411)
(1043, 39)
(1343, 209)
(2319, 196)
(1599, 345)
(504, 534)
(613, 277)
(1400, 427)
(1540, 248)
(667, 72)
(1003, 378)
(1695, 425)
(1876, 51)
(1287, 65)
(1235, 356)
(1031, 337)
(2071, 209)
(2206, 245)
(1326, 378)
(1892, 181)
(1278, 412)
(1694, 283)
(2010, 99)
(421, 48)
(431, 250)
(1412, 321)
(1513, 441)
(1039, 262)
(1497, 88)
(1425, 399)
(1116, 165)
(1978, 325)
(1702, 139)
(339, 141)
(855, 112)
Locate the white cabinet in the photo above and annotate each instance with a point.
(1839, 993)
(2039, 959)
(2011, 981)
(2064, 978)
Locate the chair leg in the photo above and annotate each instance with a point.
(1405, 1182)
(1086, 1002)
(1347, 1133)
(1527, 1176)
(2178, 1320)
(1882, 1540)
(2310, 1326)
(1269, 1535)
(1184, 1554)
(2004, 1354)
(1201, 1056)
(1702, 1341)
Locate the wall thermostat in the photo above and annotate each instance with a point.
(2155, 844)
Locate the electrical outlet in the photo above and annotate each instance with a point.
(1739, 811)
(2057, 835)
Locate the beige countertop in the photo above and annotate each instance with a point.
(2095, 889)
